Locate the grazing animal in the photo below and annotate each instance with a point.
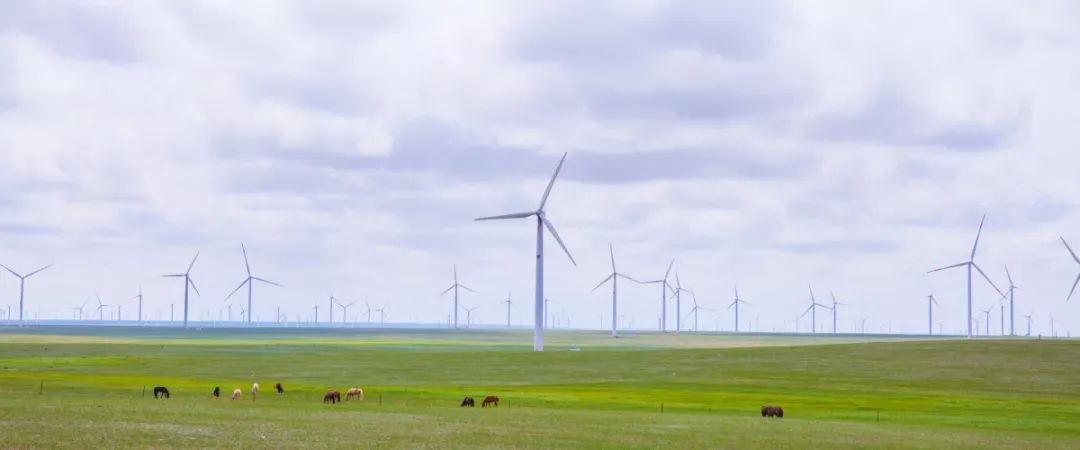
(160, 390)
(254, 391)
(468, 402)
(354, 392)
(280, 390)
(490, 400)
(236, 393)
(332, 397)
(217, 391)
(772, 411)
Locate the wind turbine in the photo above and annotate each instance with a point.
(249, 281)
(101, 309)
(1028, 317)
(614, 278)
(735, 303)
(987, 312)
(382, 314)
(970, 263)
(508, 303)
(139, 297)
(345, 311)
(813, 312)
(187, 282)
(1012, 296)
(695, 310)
(834, 305)
(930, 302)
(455, 287)
(541, 223)
(678, 302)
(22, 285)
(547, 308)
(367, 311)
(664, 287)
(316, 313)
(468, 316)
(80, 309)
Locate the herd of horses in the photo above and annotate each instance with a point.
(334, 397)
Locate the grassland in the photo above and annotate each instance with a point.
(83, 388)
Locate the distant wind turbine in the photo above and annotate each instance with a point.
(101, 309)
(614, 278)
(468, 316)
(678, 302)
(1011, 292)
(1028, 317)
(316, 307)
(80, 309)
(508, 303)
(139, 297)
(249, 281)
(541, 223)
(814, 305)
(970, 263)
(987, 312)
(664, 287)
(345, 311)
(187, 282)
(695, 310)
(331, 308)
(930, 302)
(455, 287)
(22, 285)
(735, 304)
(834, 308)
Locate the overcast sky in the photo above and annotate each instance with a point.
(850, 145)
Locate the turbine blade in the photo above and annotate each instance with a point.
(466, 288)
(242, 283)
(628, 277)
(555, 234)
(447, 290)
(605, 281)
(950, 267)
(543, 200)
(976, 266)
(977, 235)
(36, 271)
(1071, 252)
(246, 265)
(807, 311)
(192, 282)
(669, 266)
(1073, 288)
(612, 250)
(192, 262)
(12, 271)
(1009, 275)
(519, 215)
(175, 275)
(267, 281)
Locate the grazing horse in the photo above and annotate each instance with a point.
(332, 397)
(490, 400)
(217, 391)
(160, 390)
(254, 391)
(772, 411)
(236, 393)
(354, 392)
(468, 402)
(280, 390)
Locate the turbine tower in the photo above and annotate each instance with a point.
(930, 302)
(614, 278)
(541, 222)
(695, 310)
(139, 297)
(735, 303)
(508, 303)
(1012, 297)
(22, 285)
(664, 287)
(834, 308)
(455, 287)
(249, 281)
(987, 312)
(970, 263)
(1028, 317)
(678, 302)
(813, 312)
(187, 282)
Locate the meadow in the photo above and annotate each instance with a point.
(86, 387)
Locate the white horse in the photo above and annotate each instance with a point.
(236, 393)
(254, 391)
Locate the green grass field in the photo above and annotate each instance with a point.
(83, 388)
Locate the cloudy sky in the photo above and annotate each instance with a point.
(851, 145)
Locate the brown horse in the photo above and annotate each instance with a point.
(772, 411)
(280, 390)
(468, 402)
(332, 397)
(490, 400)
(354, 393)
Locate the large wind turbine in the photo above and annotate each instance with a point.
(930, 302)
(735, 303)
(22, 285)
(614, 278)
(834, 308)
(187, 282)
(813, 311)
(664, 287)
(970, 263)
(249, 281)
(455, 287)
(541, 223)
(1012, 297)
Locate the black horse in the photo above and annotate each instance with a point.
(280, 390)
(772, 411)
(160, 390)
(468, 402)
(217, 391)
